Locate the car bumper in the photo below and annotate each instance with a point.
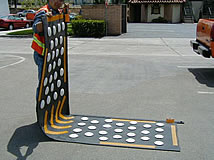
(200, 49)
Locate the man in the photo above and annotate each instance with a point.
(52, 8)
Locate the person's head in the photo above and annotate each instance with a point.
(56, 4)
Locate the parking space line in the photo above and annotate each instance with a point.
(204, 92)
(195, 66)
(22, 59)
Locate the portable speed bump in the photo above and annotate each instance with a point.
(53, 106)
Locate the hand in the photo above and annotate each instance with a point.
(39, 27)
(49, 14)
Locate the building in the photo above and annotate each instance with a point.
(4, 8)
(147, 10)
(196, 9)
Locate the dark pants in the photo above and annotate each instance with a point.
(39, 60)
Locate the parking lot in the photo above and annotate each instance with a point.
(149, 73)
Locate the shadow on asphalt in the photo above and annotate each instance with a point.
(204, 75)
(25, 139)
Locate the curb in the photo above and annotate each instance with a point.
(16, 36)
(4, 33)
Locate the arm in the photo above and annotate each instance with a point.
(37, 25)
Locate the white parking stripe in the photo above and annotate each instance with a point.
(195, 66)
(203, 92)
(22, 59)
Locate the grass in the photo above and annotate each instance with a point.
(30, 32)
(24, 32)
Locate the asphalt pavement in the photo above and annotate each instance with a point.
(150, 73)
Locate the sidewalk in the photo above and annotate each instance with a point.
(4, 33)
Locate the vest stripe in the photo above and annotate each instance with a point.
(38, 41)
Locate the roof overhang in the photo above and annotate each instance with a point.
(156, 1)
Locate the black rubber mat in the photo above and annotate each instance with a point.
(53, 106)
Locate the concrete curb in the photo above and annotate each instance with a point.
(5, 33)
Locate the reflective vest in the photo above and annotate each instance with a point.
(38, 43)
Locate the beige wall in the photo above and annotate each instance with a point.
(113, 12)
(196, 6)
(176, 14)
(168, 12)
(143, 13)
(151, 16)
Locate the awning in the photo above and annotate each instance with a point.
(156, 1)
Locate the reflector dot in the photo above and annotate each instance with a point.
(63, 26)
(147, 125)
(52, 44)
(57, 52)
(55, 75)
(103, 138)
(48, 100)
(53, 54)
(73, 135)
(42, 104)
(54, 65)
(54, 30)
(59, 27)
(45, 81)
(58, 83)
(49, 68)
(61, 72)
(84, 118)
(48, 57)
(130, 140)
(94, 121)
(103, 132)
(52, 87)
(50, 79)
(62, 92)
(59, 62)
(145, 138)
(158, 143)
(49, 31)
(56, 42)
(117, 136)
(62, 51)
(77, 130)
(55, 95)
(61, 40)
(89, 134)
(46, 90)
(81, 124)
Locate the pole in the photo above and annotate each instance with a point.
(106, 16)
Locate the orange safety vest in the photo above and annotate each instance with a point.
(38, 43)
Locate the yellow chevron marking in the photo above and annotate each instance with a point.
(52, 123)
(43, 75)
(60, 110)
(54, 18)
(65, 53)
(46, 127)
(174, 136)
(56, 116)
(128, 120)
(128, 145)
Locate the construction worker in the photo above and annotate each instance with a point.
(50, 9)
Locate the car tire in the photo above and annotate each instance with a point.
(27, 25)
(10, 27)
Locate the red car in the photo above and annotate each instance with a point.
(12, 21)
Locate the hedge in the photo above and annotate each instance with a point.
(159, 20)
(87, 28)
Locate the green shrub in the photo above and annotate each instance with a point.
(88, 28)
(24, 32)
(159, 20)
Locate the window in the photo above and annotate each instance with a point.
(155, 9)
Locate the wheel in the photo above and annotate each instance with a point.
(10, 27)
(27, 25)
